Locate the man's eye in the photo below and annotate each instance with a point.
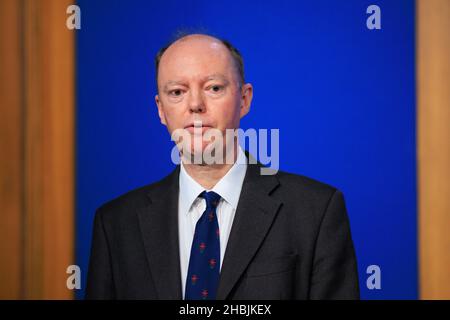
(175, 93)
(216, 88)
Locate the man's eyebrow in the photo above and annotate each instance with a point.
(216, 76)
(173, 83)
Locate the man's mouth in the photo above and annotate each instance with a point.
(197, 130)
(197, 127)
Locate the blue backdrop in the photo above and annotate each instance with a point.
(342, 96)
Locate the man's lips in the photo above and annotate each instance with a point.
(197, 129)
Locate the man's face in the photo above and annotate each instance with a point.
(198, 82)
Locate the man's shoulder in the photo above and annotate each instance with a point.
(304, 182)
(296, 187)
(307, 198)
(136, 198)
(304, 187)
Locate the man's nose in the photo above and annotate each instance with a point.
(196, 102)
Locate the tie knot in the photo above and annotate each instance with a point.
(212, 199)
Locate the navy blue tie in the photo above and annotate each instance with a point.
(204, 264)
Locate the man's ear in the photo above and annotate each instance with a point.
(246, 98)
(161, 113)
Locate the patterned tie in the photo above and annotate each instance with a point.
(204, 263)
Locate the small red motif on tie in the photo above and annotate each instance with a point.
(212, 263)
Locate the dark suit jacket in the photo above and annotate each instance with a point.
(290, 239)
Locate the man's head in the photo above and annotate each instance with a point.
(201, 78)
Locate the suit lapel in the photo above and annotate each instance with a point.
(159, 226)
(254, 216)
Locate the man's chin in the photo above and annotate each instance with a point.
(197, 155)
(207, 154)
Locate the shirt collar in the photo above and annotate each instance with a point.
(229, 187)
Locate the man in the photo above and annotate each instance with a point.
(219, 230)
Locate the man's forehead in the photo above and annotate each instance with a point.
(196, 49)
(199, 40)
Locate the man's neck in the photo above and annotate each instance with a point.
(209, 175)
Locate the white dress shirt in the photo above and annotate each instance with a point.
(191, 208)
